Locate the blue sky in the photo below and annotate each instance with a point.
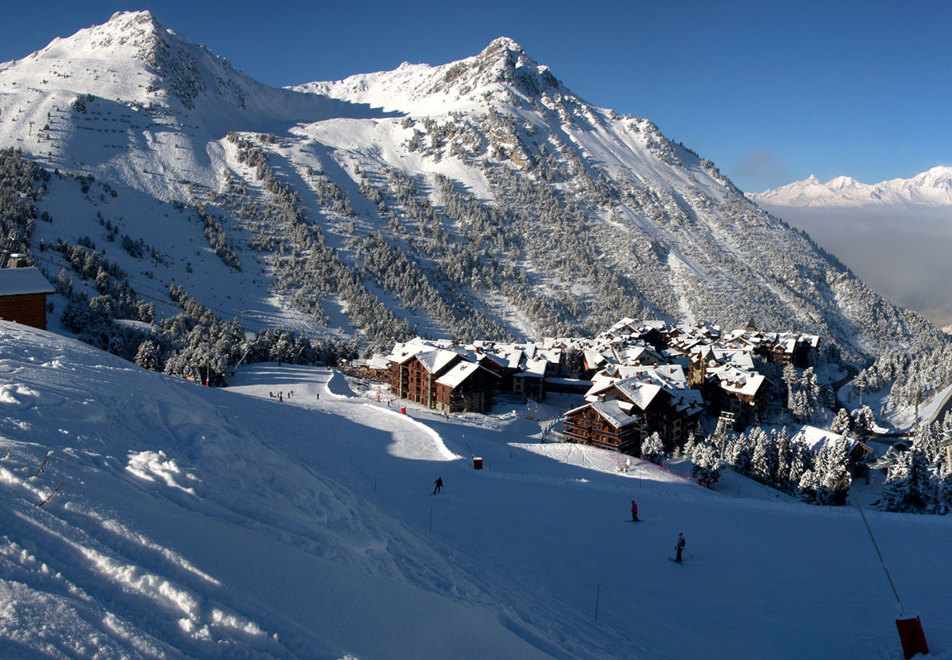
(770, 91)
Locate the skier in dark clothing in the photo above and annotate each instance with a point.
(679, 548)
(437, 485)
(634, 511)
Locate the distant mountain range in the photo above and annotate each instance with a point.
(896, 235)
(930, 189)
(479, 198)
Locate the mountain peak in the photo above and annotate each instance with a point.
(502, 44)
(145, 19)
(138, 32)
(841, 182)
(505, 61)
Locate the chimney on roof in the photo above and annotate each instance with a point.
(18, 260)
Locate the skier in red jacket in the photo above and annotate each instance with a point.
(634, 511)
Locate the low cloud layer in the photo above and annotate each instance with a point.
(904, 255)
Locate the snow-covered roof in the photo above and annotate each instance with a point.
(534, 367)
(496, 359)
(687, 399)
(403, 351)
(815, 437)
(594, 358)
(638, 392)
(738, 381)
(459, 373)
(734, 353)
(613, 413)
(437, 360)
(23, 281)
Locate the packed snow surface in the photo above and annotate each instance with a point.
(292, 515)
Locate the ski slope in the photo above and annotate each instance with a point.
(195, 522)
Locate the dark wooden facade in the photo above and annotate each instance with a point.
(28, 309)
(744, 409)
(23, 294)
(411, 380)
(530, 386)
(474, 394)
(587, 426)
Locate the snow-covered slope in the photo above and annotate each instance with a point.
(932, 188)
(146, 516)
(479, 198)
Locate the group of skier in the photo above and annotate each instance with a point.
(679, 545)
(678, 548)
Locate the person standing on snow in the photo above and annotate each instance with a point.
(437, 485)
(679, 548)
(634, 511)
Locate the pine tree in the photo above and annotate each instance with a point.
(147, 356)
(926, 440)
(801, 460)
(943, 497)
(909, 486)
(841, 424)
(807, 487)
(835, 481)
(741, 454)
(764, 455)
(706, 464)
(864, 419)
(652, 449)
(689, 445)
(784, 457)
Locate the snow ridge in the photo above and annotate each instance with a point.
(932, 188)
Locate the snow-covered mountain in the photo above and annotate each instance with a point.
(179, 521)
(475, 198)
(932, 188)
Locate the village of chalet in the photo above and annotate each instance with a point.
(637, 379)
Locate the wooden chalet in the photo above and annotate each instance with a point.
(529, 382)
(466, 387)
(625, 412)
(798, 350)
(23, 294)
(414, 376)
(377, 368)
(603, 424)
(442, 379)
(745, 395)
